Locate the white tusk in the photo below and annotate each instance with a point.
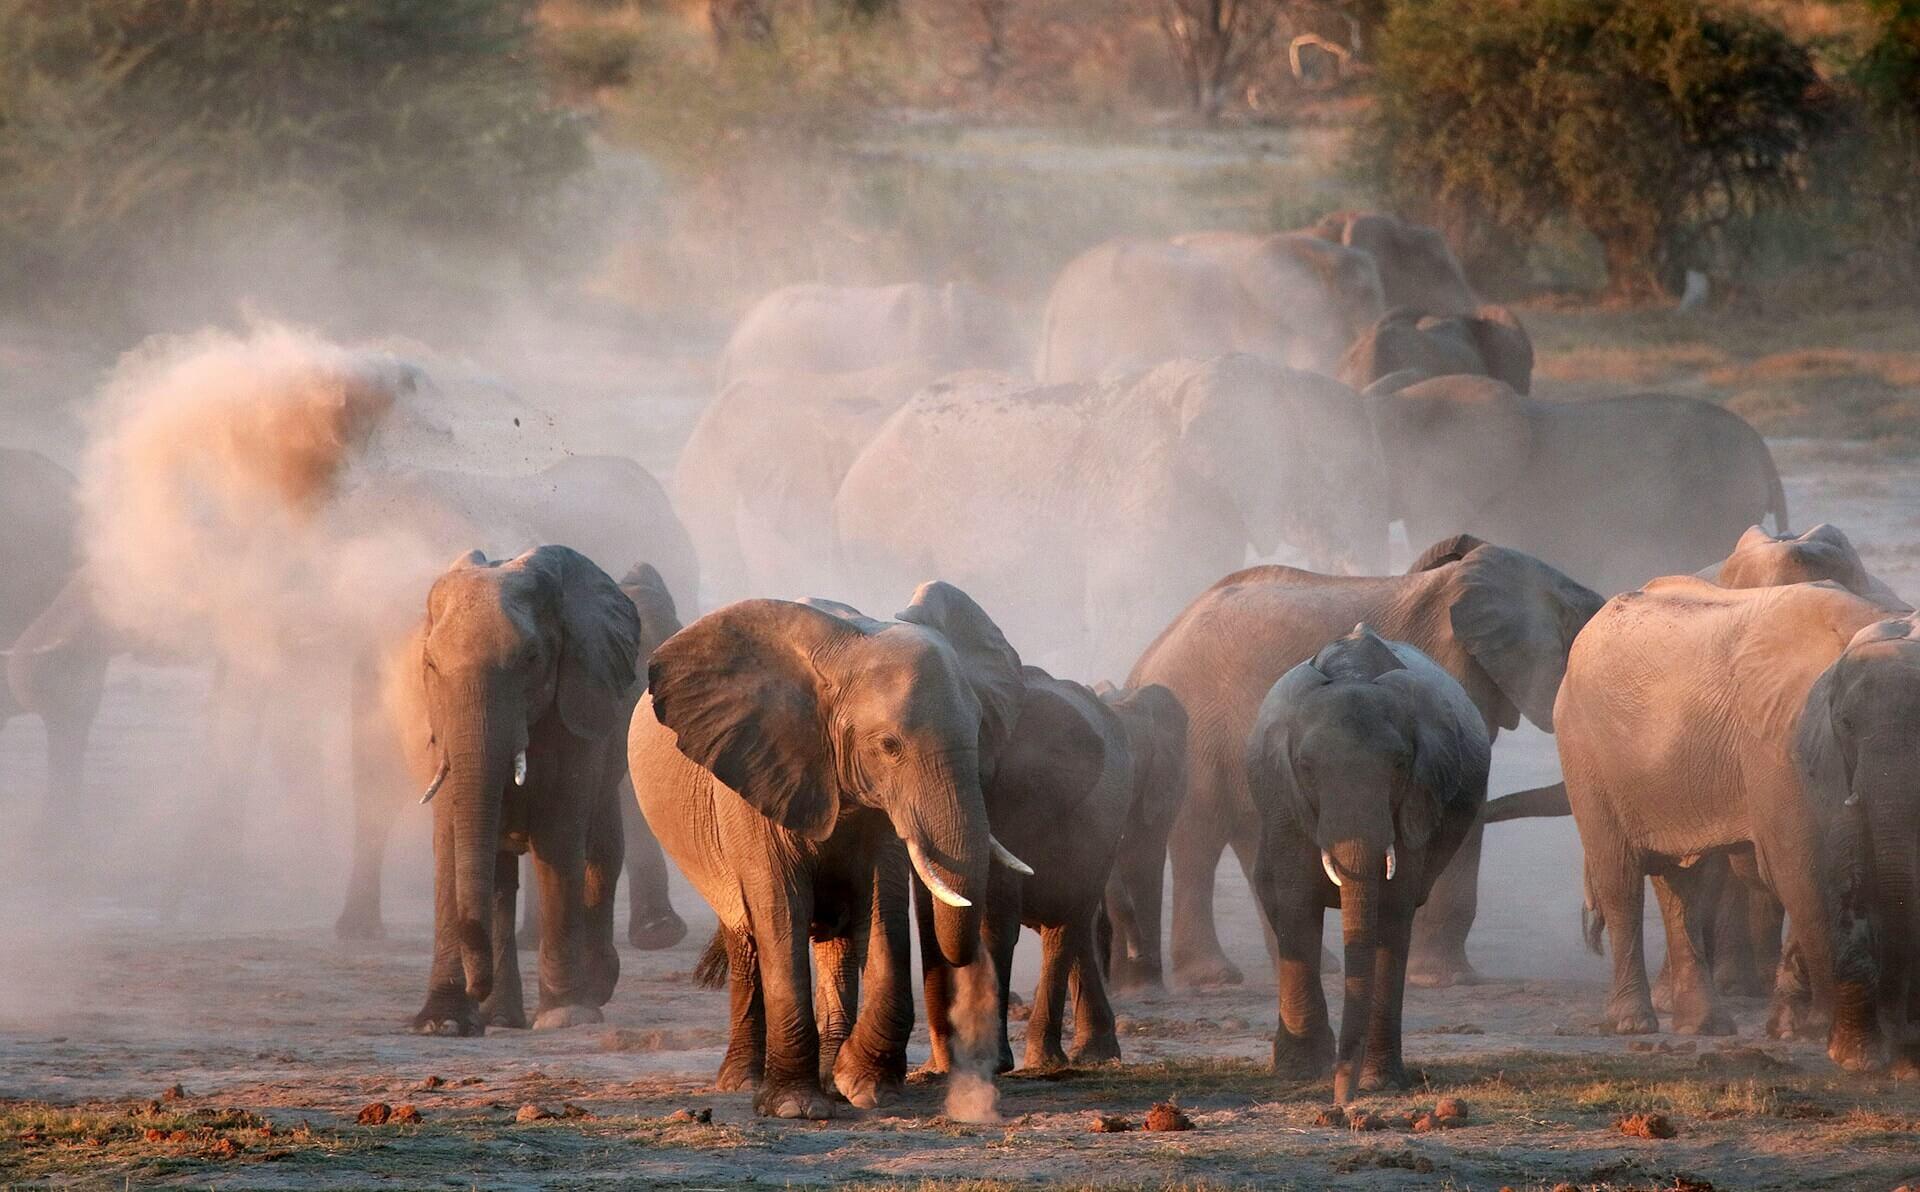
(1006, 858)
(1326, 863)
(520, 768)
(433, 788)
(940, 889)
(1393, 863)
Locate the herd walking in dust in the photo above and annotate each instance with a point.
(1735, 705)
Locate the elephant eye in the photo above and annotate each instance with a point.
(890, 745)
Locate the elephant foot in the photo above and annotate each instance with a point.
(656, 932)
(1374, 1077)
(504, 1013)
(793, 1101)
(1633, 1022)
(1857, 1051)
(1792, 1018)
(864, 1087)
(449, 1014)
(1098, 1050)
(1129, 974)
(1302, 1059)
(1442, 974)
(1207, 972)
(555, 1018)
(1906, 1063)
(359, 925)
(736, 1073)
(1043, 1059)
(1712, 1021)
(1663, 993)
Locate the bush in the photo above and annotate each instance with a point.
(130, 127)
(1661, 127)
(1887, 78)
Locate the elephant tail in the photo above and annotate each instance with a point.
(713, 967)
(1593, 922)
(1540, 801)
(1776, 495)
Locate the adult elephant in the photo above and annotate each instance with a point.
(1086, 514)
(1497, 620)
(1489, 342)
(511, 715)
(1610, 491)
(829, 328)
(1156, 728)
(1763, 560)
(1368, 767)
(1129, 304)
(794, 763)
(1680, 722)
(755, 482)
(1417, 269)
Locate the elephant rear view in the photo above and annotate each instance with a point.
(1763, 560)
(830, 328)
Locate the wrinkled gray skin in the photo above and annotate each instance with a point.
(1611, 491)
(1367, 762)
(608, 508)
(821, 328)
(525, 672)
(1489, 342)
(1681, 723)
(1151, 486)
(1129, 304)
(1417, 269)
(59, 646)
(792, 760)
(1857, 752)
(1499, 621)
(1067, 764)
(1156, 728)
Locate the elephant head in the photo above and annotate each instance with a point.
(1515, 618)
(534, 646)
(1368, 749)
(1417, 268)
(1156, 728)
(1763, 560)
(1450, 445)
(659, 618)
(809, 712)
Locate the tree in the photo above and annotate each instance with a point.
(1215, 42)
(1661, 127)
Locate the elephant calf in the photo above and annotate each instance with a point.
(1368, 766)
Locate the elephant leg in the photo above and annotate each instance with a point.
(1440, 927)
(605, 851)
(1195, 847)
(1303, 1041)
(936, 985)
(1135, 891)
(652, 923)
(1761, 924)
(746, 1058)
(1686, 900)
(872, 1066)
(1616, 882)
(505, 1006)
(1385, 1065)
(1001, 928)
(448, 1009)
(567, 974)
(1095, 1036)
(790, 1087)
(1049, 1004)
(836, 993)
(1854, 1039)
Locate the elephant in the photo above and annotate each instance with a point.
(523, 670)
(1156, 728)
(1151, 485)
(1417, 269)
(1612, 491)
(1367, 765)
(1129, 304)
(1855, 751)
(795, 763)
(1488, 342)
(608, 508)
(1763, 560)
(1497, 620)
(1069, 761)
(829, 328)
(756, 479)
(1679, 722)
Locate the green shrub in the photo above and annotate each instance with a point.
(1661, 127)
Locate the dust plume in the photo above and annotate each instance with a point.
(975, 1014)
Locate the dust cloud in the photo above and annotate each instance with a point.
(975, 1015)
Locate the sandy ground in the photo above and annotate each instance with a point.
(125, 970)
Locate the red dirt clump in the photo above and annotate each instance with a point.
(1645, 1125)
(174, 1093)
(1106, 1123)
(405, 1115)
(533, 1113)
(1168, 1116)
(1332, 1115)
(375, 1114)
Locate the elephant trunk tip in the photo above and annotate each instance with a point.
(476, 957)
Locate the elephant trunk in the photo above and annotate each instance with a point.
(944, 823)
(1896, 890)
(481, 736)
(1362, 870)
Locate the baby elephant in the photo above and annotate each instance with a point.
(1368, 765)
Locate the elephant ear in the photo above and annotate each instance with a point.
(1269, 755)
(1451, 754)
(1505, 346)
(1826, 766)
(1518, 617)
(739, 690)
(846, 612)
(599, 640)
(659, 617)
(990, 665)
(1056, 753)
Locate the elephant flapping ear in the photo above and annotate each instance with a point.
(1451, 755)
(739, 689)
(599, 639)
(1503, 343)
(1270, 755)
(1517, 617)
(991, 665)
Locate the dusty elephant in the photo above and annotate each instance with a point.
(511, 714)
(1129, 304)
(1612, 491)
(1488, 342)
(1679, 727)
(795, 763)
(1156, 728)
(1499, 621)
(1086, 515)
(1417, 268)
(1367, 765)
(828, 328)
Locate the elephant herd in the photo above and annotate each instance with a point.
(1742, 738)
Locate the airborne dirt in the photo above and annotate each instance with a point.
(278, 1035)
